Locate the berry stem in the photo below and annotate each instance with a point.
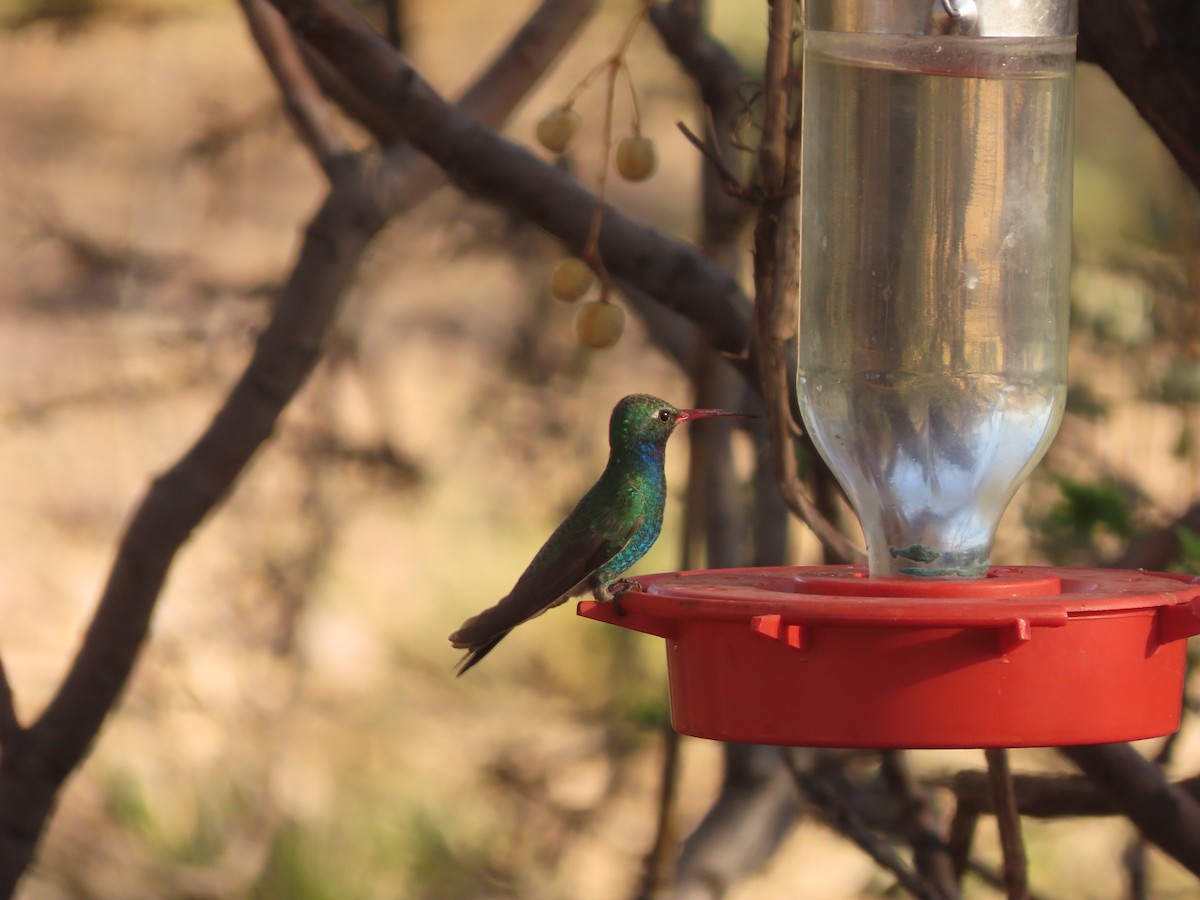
(612, 66)
(636, 118)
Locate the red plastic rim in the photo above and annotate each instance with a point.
(1029, 656)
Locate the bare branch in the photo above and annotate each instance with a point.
(175, 504)
(754, 811)
(491, 98)
(1157, 547)
(484, 164)
(840, 814)
(1016, 880)
(776, 288)
(372, 117)
(757, 803)
(930, 854)
(729, 181)
(1134, 861)
(10, 725)
(522, 62)
(1149, 49)
(36, 765)
(656, 861)
(717, 76)
(773, 161)
(1046, 796)
(1164, 812)
(393, 31)
(961, 836)
(302, 98)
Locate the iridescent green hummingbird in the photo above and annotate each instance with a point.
(609, 530)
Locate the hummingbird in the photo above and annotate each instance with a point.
(610, 529)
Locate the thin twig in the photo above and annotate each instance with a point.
(303, 100)
(728, 180)
(656, 860)
(776, 286)
(961, 836)
(841, 815)
(1134, 861)
(1016, 880)
(930, 853)
(990, 876)
(391, 11)
(612, 67)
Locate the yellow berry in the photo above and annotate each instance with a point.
(636, 158)
(571, 279)
(599, 324)
(556, 129)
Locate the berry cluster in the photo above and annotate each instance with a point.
(600, 322)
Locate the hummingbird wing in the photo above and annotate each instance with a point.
(561, 569)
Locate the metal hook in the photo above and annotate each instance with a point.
(954, 16)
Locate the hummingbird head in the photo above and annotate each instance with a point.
(641, 420)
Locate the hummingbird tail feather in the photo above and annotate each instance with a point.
(476, 653)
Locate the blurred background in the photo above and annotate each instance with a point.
(294, 729)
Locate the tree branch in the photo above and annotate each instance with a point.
(655, 862)
(777, 286)
(10, 725)
(1164, 812)
(177, 502)
(1047, 796)
(302, 98)
(754, 810)
(930, 854)
(484, 164)
(1008, 820)
(1155, 548)
(757, 803)
(508, 79)
(837, 810)
(1151, 50)
(37, 760)
(962, 835)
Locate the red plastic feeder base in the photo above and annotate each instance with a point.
(826, 657)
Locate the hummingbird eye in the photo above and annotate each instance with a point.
(664, 415)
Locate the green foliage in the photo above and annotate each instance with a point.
(292, 869)
(197, 836)
(73, 15)
(646, 709)
(206, 839)
(126, 802)
(65, 13)
(1083, 402)
(441, 867)
(1181, 383)
(1085, 512)
(1189, 552)
(375, 847)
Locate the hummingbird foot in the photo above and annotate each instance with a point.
(618, 589)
